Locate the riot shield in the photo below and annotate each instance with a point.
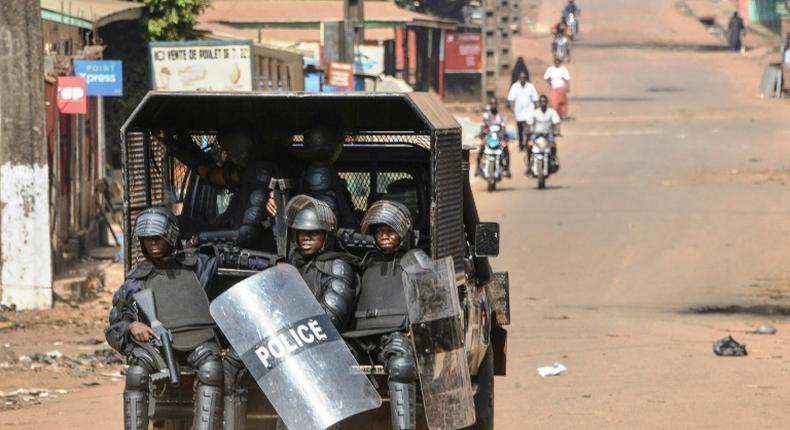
(437, 332)
(293, 351)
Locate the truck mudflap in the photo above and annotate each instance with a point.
(499, 297)
(499, 348)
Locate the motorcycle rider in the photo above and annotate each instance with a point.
(380, 328)
(491, 116)
(179, 280)
(561, 33)
(571, 8)
(544, 122)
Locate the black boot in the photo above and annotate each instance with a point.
(234, 411)
(135, 410)
(403, 405)
(234, 408)
(207, 407)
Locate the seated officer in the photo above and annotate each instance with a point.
(329, 274)
(246, 172)
(380, 327)
(178, 280)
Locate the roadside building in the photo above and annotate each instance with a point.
(397, 42)
(76, 142)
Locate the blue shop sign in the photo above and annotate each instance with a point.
(102, 77)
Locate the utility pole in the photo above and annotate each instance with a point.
(25, 250)
(354, 18)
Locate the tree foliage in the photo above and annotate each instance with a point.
(173, 19)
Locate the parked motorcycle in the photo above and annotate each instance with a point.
(542, 162)
(561, 48)
(493, 163)
(573, 25)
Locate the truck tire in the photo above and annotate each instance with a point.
(484, 399)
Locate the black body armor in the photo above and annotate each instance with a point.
(382, 307)
(181, 302)
(331, 278)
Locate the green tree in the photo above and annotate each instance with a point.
(173, 19)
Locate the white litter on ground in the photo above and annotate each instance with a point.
(553, 370)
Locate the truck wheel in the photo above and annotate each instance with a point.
(484, 400)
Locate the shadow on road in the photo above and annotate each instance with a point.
(653, 46)
(607, 99)
(759, 310)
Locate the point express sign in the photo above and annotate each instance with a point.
(102, 77)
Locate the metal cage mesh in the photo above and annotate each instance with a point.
(154, 178)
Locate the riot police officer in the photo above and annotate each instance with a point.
(381, 321)
(329, 274)
(245, 172)
(178, 280)
(321, 147)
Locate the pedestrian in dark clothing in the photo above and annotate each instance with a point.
(518, 68)
(735, 31)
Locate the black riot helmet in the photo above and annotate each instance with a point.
(157, 221)
(323, 142)
(305, 213)
(392, 214)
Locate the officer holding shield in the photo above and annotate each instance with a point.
(380, 327)
(329, 274)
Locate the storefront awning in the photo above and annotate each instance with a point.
(90, 14)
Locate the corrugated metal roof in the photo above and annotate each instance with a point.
(360, 112)
(273, 35)
(295, 13)
(90, 13)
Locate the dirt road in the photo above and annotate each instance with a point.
(672, 196)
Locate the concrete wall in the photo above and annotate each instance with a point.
(25, 253)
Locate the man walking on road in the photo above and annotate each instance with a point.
(559, 80)
(521, 99)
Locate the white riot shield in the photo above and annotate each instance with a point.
(437, 332)
(293, 351)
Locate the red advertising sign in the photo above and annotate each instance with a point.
(72, 97)
(463, 52)
(340, 75)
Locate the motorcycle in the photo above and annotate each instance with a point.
(561, 49)
(573, 25)
(493, 165)
(542, 162)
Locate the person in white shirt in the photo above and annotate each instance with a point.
(559, 80)
(521, 99)
(545, 122)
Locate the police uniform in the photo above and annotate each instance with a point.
(183, 308)
(381, 320)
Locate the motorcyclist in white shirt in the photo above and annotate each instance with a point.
(545, 122)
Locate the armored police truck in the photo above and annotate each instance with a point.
(400, 147)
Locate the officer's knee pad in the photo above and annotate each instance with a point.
(210, 373)
(206, 351)
(402, 368)
(137, 378)
(233, 370)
